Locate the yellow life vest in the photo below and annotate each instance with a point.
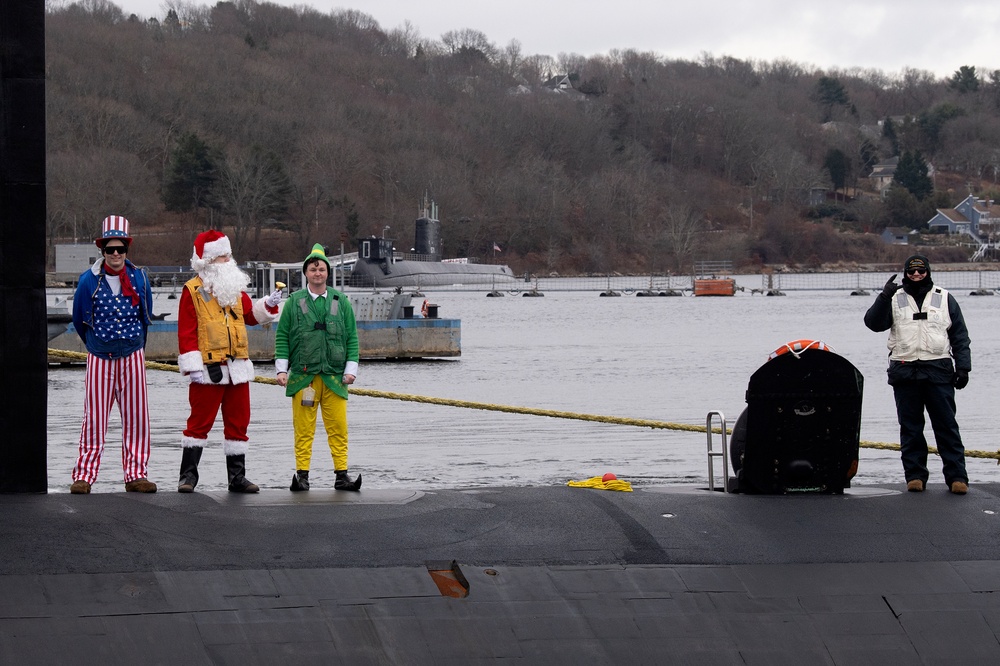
(222, 333)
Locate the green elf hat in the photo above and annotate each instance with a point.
(318, 252)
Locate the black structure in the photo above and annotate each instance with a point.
(552, 575)
(801, 429)
(22, 246)
(427, 238)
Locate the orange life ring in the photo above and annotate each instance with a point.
(796, 347)
(423, 308)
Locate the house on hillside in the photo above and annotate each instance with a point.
(980, 217)
(883, 173)
(897, 235)
(563, 85)
(560, 82)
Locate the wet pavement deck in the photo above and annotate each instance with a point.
(556, 575)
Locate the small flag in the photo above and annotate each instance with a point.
(496, 248)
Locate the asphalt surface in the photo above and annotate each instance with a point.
(555, 575)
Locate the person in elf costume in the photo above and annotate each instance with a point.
(316, 359)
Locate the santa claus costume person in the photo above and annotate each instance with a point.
(212, 340)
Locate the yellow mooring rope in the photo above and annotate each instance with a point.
(466, 404)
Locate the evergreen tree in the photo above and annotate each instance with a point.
(172, 23)
(903, 210)
(911, 175)
(190, 175)
(830, 93)
(964, 80)
(838, 166)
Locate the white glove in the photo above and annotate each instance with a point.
(273, 300)
(196, 376)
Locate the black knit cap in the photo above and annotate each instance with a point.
(917, 288)
(917, 261)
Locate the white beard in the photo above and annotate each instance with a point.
(225, 281)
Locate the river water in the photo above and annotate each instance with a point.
(665, 359)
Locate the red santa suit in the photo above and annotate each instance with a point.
(212, 346)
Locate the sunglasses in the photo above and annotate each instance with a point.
(115, 249)
(916, 271)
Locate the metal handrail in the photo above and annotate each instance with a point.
(712, 453)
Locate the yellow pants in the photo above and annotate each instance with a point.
(334, 420)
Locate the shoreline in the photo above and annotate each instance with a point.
(51, 282)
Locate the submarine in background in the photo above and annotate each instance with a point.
(378, 265)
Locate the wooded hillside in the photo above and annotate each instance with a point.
(290, 126)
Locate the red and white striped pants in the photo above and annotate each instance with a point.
(121, 380)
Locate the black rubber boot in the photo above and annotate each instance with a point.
(238, 482)
(190, 458)
(345, 482)
(300, 480)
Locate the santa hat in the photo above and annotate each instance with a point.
(209, 245)
(113, 227)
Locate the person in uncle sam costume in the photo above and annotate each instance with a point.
(316, 359)
(212, 340)
(111, 313)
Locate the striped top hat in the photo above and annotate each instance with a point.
(114, 226)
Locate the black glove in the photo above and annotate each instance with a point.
(961, 379)
(890, 288)
(214, 372)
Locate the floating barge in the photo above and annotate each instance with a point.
(708, 281)
(387, 329)
(714, 287)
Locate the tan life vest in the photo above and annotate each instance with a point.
(222, 332)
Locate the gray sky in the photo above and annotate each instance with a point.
(884, 34)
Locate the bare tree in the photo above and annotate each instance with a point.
(251, 188)
(469, 42)
(367, 120)
(681, 229)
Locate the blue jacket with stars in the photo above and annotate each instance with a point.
(109, 325)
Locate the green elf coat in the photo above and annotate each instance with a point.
(318, 337)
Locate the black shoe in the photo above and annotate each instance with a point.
(190, 457)
(300, 480)
(238, 482)
(345, 482)
(244, 486)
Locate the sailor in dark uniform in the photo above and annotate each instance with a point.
(929, 358)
